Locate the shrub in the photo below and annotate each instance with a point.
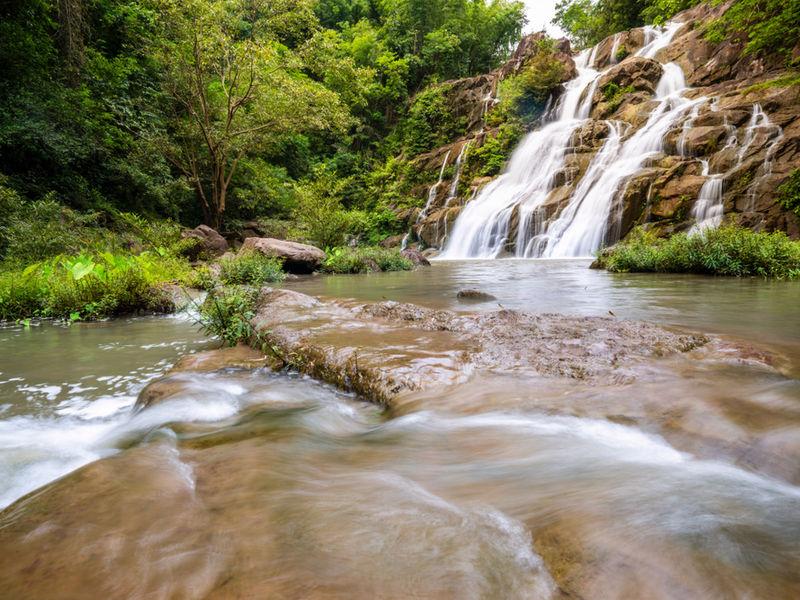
(250, 268)
(227, 314)
(789, 193)
(614, 94)
(90, 286)
(489, 159)
(319, 210)
(431, 121)
(730, 250)
(39, 230)
(365, 260)
(525, 95)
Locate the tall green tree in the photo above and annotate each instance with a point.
(234, 88)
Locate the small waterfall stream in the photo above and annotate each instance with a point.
(709, 209)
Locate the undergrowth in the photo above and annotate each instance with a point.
(365, 260)
(729, 250)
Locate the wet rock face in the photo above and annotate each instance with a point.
(382, 351)
(297, 258)
(416, 257)
(209, 242)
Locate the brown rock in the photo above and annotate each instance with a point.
(209, 242)
(416, 257)
(296, 257)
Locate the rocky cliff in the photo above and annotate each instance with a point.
(726, 156)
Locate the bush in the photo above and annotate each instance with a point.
(431, 121)
(525, 95)
(730, 250)
(489, 159)
(365, 260)
(227, 314)
(90, 286)
(35, 231)
(250, 268)
(789, 193)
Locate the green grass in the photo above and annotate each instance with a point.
(731, 251)
(90, 286)
(365, 260)
(250, 268)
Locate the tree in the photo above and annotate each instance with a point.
(234, 88)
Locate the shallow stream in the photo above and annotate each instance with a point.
(251, 484)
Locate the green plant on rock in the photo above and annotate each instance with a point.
(488, 159)
(431, 121)
(789, 193)
(524, 96)
(250, 268)
(615, 95)
(227, 313)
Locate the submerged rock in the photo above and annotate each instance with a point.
(297, 258)
(474, 295)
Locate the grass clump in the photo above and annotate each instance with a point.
(88, 286)
(250, 268)
(732, 251)
(227, 313)
(366, 259)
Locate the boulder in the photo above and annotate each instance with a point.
(393, 241)
(416, 257)
(209, 242)
(296, 257)
(642, 74)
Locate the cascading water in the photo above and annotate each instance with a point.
(453, 194)
(615, 49)
(483, 230)
(581, 228)
(431, 199)
(709, 208)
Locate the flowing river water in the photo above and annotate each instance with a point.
(248, 484)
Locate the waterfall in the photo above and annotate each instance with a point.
(614, 49)
(709, 207)
(486, 226)
(453, 193)
(581, 228)
(482, 228)
(431, 199)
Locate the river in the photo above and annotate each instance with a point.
(252, 484)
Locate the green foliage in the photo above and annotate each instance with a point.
(784, 81)
(525, 95)
(227, 313)
(614, 94)
(590, 21)
(489, 159)
(768, 26)
(431, 121)
(365, 260)
(250, 268)
(88, 286)
(729, 251)
(42, 229)
(789, 193)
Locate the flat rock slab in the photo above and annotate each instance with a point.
(384, 350)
